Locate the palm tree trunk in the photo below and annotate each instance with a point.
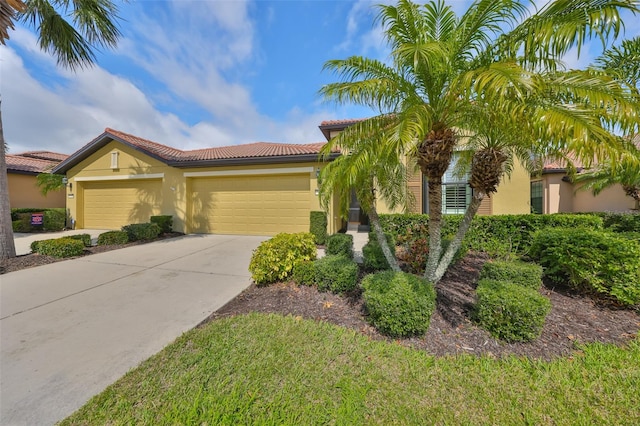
(7, 245)
(455, 244)
(435, 226)
(382, 239)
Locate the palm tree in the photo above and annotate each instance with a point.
(373, 172)
(70, 31)
(494, 55)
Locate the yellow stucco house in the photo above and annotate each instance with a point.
(258, 188)
(22, 170)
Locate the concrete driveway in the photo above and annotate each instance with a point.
(23, 240)
(71, 328)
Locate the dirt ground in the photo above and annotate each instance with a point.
(573, 318)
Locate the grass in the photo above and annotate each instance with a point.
(270, 369)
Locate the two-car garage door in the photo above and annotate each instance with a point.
(254, 205)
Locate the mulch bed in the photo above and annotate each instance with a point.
(30, 260)
(573, 318)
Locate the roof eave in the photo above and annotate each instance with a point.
(305, 158)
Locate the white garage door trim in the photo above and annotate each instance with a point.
(120, 177)
(251, 172)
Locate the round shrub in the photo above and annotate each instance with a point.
(399, 304)
(60, 247)
(373, 256)
(340, 244)
(113, 238)
(142, 231)
(336, 273)
(165, 222)
(521, 273)
(591, 260)
(304, 273)
(509, 311)
(85, 238)
(276, 258)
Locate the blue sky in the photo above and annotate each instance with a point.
(195, 74)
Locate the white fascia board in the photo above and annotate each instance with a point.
(119, 177)
(251, 172)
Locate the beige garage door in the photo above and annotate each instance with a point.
(252, 205)
(110, 205)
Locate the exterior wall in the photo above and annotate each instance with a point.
(612, 199)
(557, 194)
(513, 195)
(176, 183)
(24, 193)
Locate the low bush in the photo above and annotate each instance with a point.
(509, 311)
(340, 244)
(85, 238)
(34, 246)
(113, 238)
(142, 231)
(620, 222)
(398, 304)
(275, 259)
(54, 220)
(372, 255)
(304, 273)
(521, 273)
(21, 224)
(318, 226)
(60, 247)
(592, 261)
(336, 273)
(165, 222)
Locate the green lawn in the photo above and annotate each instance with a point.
(269, 369)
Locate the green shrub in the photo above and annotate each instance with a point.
(304, 273)
(275, 259)
(85, 238)
(165, 222)
(372, 255)
(142, 231)
(20, 226)
(592, 261)
(318, 226)
(336, 273)
(53, 219)
(500, 236)
(60, 247)
(341, 244)
(521, 273)
(620, 222)
(113, 238)
(398, 304)
(34, 246)
(509, 311)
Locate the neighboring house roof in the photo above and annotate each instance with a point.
(33, 162)
(253, 153)
(327, 126)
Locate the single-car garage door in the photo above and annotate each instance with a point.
(113, 204)
(254, 205)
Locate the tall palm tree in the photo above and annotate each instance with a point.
(494, 55)
(373, 172)
(71, 31)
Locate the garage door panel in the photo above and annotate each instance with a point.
(261, 205)
(111, 205)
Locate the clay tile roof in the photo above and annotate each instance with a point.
(20, 163)
(159, 150)
(346, 122)
(253, 150)
(45, 155)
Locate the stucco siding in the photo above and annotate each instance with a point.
(24, 193)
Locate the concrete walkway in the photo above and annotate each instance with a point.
(23, 240)
(71, 328)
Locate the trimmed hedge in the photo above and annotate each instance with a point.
(85, 238)
(521, 273)
(53, 220)
(275, 259)
(304, 273)
(165, 222)
(592, 261)
(341, 244)
(372, 255)
(318, 226)
(113, 238)
(142, 231)
(336, 273)
(620, 222)
(398, 304)
(60, 247)
(499, 236)
(510, 311)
